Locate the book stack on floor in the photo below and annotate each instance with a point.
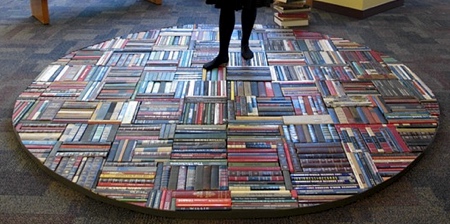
(290, 13)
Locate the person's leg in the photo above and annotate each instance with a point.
(248, 20)
(226, 27)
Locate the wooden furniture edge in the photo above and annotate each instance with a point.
(360, 14)
(39, 10)
(157, 2)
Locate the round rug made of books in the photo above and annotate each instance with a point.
(311, 122)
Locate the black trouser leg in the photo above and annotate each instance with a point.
(248, 20)
(226, 27)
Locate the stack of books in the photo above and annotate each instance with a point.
(291, 13)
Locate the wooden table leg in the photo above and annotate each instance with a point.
(158, 2)
(39, 9)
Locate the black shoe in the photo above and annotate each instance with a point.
(215, 63)
(246, 53)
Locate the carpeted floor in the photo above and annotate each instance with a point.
(417, 34)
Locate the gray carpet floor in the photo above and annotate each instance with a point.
(417, 34)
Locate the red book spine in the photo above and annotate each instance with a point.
(255, 173)
(85, 73)
(269, 89)
(238, 107)
(349, 115)
(368, 115)
(252, 168)
(308, 105)
(163, 199)
(331, 88)
(376, 55)
(222, 111)
(168, 200)
(39, 146)
(17, 111)
(288, 157)
(201, 194)
(202, 201)
(303, 15)
(255, 178)
(253, 159)
(199, 155)
(118, 184)
(200, 110)
(251, 150)
(221, 73)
